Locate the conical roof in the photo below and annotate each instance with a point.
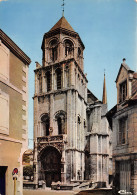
(65, 27)
(62, 23)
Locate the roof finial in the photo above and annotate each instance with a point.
(104, 71)
(104, 98)
(124, 59)
(63, 8)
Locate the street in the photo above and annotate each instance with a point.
(47, 192)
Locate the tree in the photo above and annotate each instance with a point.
(28, 170)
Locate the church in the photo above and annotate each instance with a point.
(72, 138)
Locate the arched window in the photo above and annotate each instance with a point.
(58, 75)
(45, 124)
(59, 122)
(48, 81)
(60, 119)
(69, 48)
(54, 52)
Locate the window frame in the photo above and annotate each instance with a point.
(5, 130)
(69, 47)
(122, 91)
(123, 130)
(7, 52)
(45, 121)
(54, 50)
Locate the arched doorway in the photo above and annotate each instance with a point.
(51, 165)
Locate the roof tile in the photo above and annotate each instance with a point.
(62, 23)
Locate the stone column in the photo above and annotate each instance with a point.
(76, 117)
(35, 164)
(52, 79)
(63, 125)
(74, 162)
(36, 84)
(69, 121)
(39, 131)
(75, 79)
(47, 56)
(83, 165)
(63, 168)
(52, 111)
(44, 86)
(63, 76)
(72, 74)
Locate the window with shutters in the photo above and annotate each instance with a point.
(4, 113)
(4, 61)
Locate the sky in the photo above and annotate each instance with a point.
(108, 29)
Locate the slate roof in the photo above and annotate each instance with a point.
(91, 97)
(126, 67)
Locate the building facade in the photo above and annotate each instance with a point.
(61, 126)
(123, 119)
(14, 64)
(98, 149)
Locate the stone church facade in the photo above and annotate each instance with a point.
(71, 133)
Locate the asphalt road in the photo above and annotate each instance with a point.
(47, 192)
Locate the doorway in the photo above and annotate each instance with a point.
(3, 180)
(51, 165)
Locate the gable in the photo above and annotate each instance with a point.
(122, 75)
(91, 98)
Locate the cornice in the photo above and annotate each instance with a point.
(59, 91)
(98, 134)
(61, 62)
(14, 48)
(8, 84)
(63, 31)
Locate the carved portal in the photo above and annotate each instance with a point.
(50, 165)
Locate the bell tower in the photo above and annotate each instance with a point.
(62, 43)
(60, 101)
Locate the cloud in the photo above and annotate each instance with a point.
(2, 0)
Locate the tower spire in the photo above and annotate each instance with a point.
(63, 8)
(104, 97)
